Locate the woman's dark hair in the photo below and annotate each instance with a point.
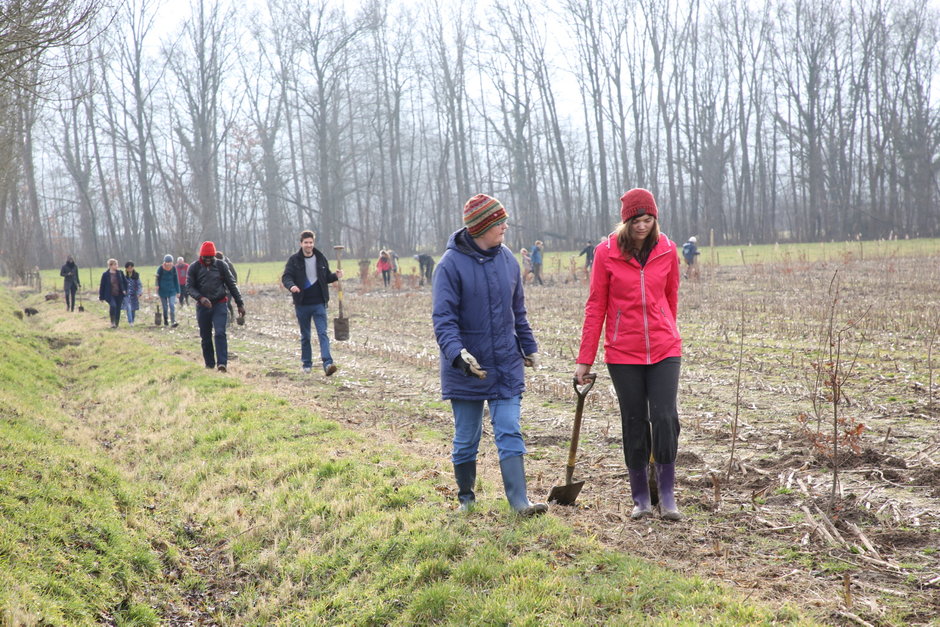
(625, 242)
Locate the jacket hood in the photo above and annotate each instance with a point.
(461, 242)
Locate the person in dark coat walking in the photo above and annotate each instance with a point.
(425, 266)
(485, 340)
(69, 272)
(210, 283)
(306, 275)
(112, 289)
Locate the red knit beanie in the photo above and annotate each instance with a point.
(207, 250)
(636, 202)
(482, 212)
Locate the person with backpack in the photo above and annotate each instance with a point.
(168, 287)
(210, 283)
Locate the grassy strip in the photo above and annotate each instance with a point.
(69, 549)
(261, 512)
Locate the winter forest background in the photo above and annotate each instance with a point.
(132, 129)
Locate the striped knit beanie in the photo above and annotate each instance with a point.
(637, 202)
(482, 212)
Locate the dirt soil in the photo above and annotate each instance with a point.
(755, 476)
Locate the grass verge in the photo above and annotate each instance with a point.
(176, 493)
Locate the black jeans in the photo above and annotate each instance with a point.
(647, 396)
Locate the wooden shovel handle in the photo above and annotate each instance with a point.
(576, 428)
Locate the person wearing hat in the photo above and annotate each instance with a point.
(480, 322)
(689, 252)
(168, 287)
(634, 296)
(211, 284)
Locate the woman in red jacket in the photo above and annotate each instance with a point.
(634, 295)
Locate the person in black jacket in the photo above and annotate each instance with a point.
(306, 275)
(112, 289)
(70, 273)
(210, 283)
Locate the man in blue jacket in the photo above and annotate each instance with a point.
(485, 340)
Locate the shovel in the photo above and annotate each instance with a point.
(341, 324)
(568, 493)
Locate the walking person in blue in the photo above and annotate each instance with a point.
(306, 275)
(134, 289)
(111, 290)
(537, 262)
(69, 272)
(689, 253)
(211, 285)
(168, 287)
(485, 340)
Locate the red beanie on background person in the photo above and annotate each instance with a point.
(207, 249)
(481, 213)
(637, 202)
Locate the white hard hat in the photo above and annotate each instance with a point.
(692, 239)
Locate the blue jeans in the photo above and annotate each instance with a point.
(129, 309)
(468, 428)
(169, 308)
(318, 314)
(213, 319)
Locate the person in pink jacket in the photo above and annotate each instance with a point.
(633, 297)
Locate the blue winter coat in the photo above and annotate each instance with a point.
(536, 255)
(479, 305)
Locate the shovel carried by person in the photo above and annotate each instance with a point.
(568, 493)
(341, 324)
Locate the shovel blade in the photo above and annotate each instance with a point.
(341, 329)
(565, 494)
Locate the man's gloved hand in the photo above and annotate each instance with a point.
(531, 360)
(241, 311)
(205, 302)
(469, 364)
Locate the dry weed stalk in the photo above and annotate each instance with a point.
(737, 395)
(933, 336)
(833, 373)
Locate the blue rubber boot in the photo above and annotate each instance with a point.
(513, 469)
(466, 475)
(666, 478)
(640, 490)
